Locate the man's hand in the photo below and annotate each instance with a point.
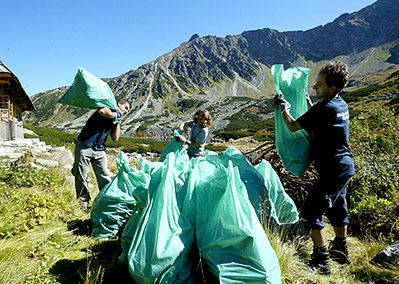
(280, 103)
(118, 114)
(118, 118)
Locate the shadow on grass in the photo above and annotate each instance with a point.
(378, 275)
(80, 227)
(101, 266)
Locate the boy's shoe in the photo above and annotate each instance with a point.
(339, 252)
(319, 261)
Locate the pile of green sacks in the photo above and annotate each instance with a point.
(292, 147)
(218, 202)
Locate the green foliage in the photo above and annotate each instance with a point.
(26, 198)
(226, 135)
(24, 176)
(261, 130)
(52, 136)
(57, 137)
(216, 148)
(358, 94)
(391, 85)
(375, 197)
(137, 145)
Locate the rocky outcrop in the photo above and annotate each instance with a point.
(43, 156)
(207, 71)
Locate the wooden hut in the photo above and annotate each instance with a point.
(13, 101)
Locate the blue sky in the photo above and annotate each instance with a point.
(45, 41)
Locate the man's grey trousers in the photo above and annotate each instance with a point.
(84, 156)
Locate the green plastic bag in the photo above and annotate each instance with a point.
(205, 197)
(263, 186)
(115, 203)
(292, 147)
(283, 209)
(88, 91)
(161, 244)
(173, 146)
(228, 232)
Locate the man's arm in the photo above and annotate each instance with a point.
(291, 123)
(281, 104)
(108, 113)
(116, 132)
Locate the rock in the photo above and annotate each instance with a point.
(29, 132)
(12, 156)
(389, 257)
(35, 166)
(47, 163)
(64, 157)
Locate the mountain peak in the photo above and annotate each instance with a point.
(193, 37)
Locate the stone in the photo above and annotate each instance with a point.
(389, 257)
(47, 163)
(64, 158)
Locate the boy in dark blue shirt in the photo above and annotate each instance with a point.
(328, 124)
(90, 149)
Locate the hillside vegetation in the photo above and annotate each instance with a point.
(45, 236)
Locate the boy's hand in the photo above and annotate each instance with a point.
(181, 138)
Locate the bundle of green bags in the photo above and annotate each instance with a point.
(211, 203)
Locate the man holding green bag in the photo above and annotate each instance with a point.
(90, 148)
(328, 123)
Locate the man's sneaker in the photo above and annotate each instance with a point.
(339, 251)
(319, 261)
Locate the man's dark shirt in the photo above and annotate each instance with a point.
(95, 132)
(328, 124)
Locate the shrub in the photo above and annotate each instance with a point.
(374, 196)
(20, 175)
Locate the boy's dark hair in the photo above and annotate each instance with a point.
(337, 74)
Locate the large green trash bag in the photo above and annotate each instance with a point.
(142, 197)
(264, 188)
(173, 146)
(292, 147)
(88, 91)
(115, 203)
(159, 252)
(228, 232)
(129, 231)
(283, 209)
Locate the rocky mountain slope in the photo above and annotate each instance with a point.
(230, 76)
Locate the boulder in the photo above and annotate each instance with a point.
(389, 257)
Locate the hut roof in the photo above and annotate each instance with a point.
(12, 85)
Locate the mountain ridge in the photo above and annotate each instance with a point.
(210, 71)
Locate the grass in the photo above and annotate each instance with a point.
(56, 247)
